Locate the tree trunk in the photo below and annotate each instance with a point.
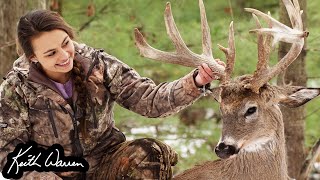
(38, 4)
(10, 12)
(294, 118)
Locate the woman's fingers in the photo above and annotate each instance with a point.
(206, 71)
(206, 75)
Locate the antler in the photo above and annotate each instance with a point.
(279, 32)
(183, 56)
(230, 53)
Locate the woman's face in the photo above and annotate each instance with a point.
(54, 51)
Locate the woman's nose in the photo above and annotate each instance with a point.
(64, 54)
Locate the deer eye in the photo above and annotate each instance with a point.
(250, 111)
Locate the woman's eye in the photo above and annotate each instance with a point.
(52, 53)
(250, 111)
(66, 43)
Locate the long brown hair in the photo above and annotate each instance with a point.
(37, 21)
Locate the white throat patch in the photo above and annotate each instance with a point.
(256, 145)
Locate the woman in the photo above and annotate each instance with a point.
(62, 92)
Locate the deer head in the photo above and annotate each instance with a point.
(249, 105)
(251, 120)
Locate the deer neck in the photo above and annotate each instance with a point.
(263, 161)
(269, 163)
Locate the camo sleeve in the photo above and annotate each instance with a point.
(142, 95)
(13, 120)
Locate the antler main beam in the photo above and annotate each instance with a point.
(183, 56)
(279, 32)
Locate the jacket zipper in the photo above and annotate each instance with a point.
(76, 140)
(50, 114)
(79, 150)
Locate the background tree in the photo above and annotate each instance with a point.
(10, 11)
(294, 118)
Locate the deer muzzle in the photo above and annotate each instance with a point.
(224, 151)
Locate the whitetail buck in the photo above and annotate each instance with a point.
(252, 144)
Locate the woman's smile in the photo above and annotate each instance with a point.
(64, 64)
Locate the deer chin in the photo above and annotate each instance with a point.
(227, 156)
(256, 145)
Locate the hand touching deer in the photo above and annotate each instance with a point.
(252, 144)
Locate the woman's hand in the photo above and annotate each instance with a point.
(205, 74)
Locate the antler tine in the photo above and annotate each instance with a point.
(280, 32)
(206, 37)
(267, 43)
(263, 49)
(293, 9)
(173, 32)
(230, 53)
(183, 56)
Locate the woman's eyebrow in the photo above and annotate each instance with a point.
(54, 49)
(65, 39)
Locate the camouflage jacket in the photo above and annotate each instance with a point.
(32, 107)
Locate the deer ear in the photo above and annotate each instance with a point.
(216, 93)
(299, 96)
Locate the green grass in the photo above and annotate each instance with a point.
(112, 30)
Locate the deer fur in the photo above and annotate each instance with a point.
(259, 138)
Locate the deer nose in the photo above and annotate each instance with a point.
(224, 151)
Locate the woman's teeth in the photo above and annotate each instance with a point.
(66, 62)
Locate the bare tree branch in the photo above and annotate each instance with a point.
(307, 166)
